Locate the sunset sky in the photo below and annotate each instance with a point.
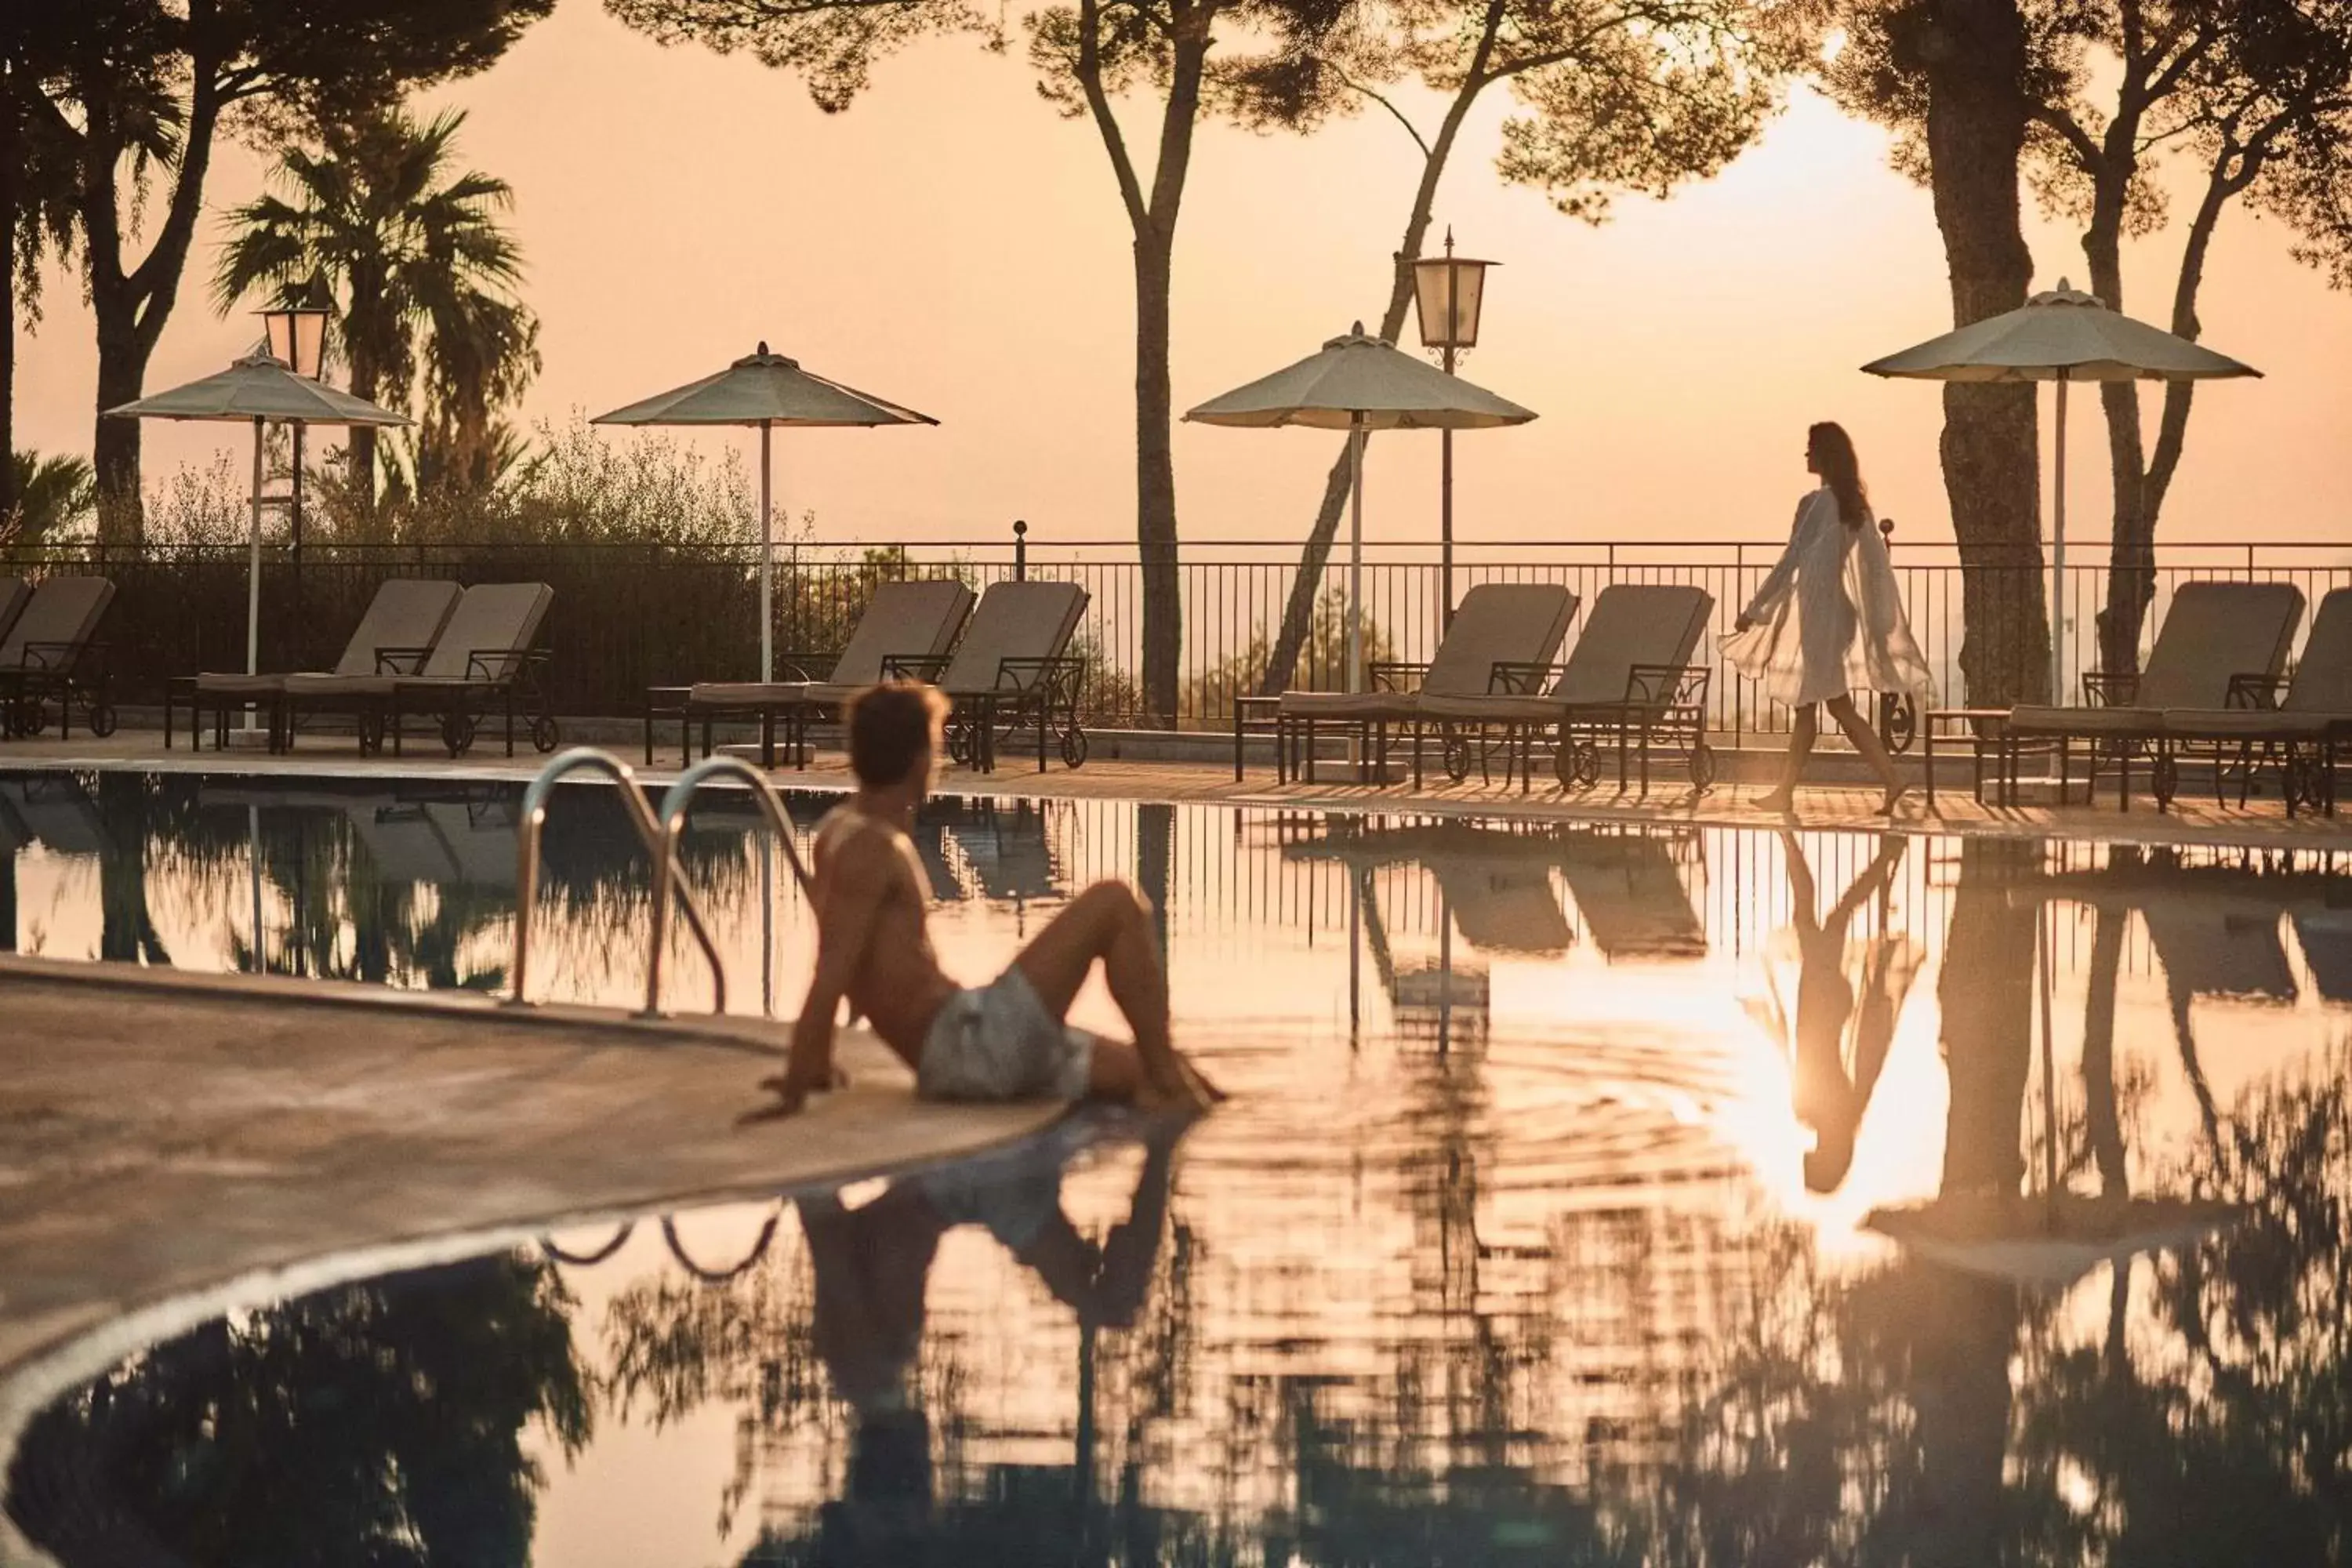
(952, 244)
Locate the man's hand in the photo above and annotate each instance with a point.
(792, 1090)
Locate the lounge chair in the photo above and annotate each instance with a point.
(2301, 726)
(483, 656)
(1500, 632)
(15, 594)
(407, 613)
(912, 621)
(50, 654)
(1014, 663)
(2217, 638)
(1629, 677)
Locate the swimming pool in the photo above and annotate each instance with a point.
(1549, 1222)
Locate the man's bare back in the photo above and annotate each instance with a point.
(895, 983)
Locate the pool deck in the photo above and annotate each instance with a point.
(173, 1144)
(2194, 818)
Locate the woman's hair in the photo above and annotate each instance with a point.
(1841, 471)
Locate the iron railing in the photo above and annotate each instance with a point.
(627, 617)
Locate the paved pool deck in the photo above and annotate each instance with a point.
(2195, 818)
(173, 1145)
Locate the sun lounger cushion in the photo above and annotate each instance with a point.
(15, 594)
(1656, 623)
(917, 620)
(2213, 633)
(489, 618)
(1497, 623)
(62, 610)
(2318, 699)
(1015, 620)
(406, 612)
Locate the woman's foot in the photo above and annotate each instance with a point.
(1781, 799)
(1895, 793)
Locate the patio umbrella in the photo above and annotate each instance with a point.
(263, 390)
(765, 390)
(1357, 384)
(2065, 336)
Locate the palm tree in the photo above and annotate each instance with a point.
(417, 264)
(52, 494)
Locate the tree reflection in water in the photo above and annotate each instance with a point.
(381, 1423)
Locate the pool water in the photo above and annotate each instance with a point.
(1588, 1196)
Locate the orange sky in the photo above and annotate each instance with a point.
(951, 243)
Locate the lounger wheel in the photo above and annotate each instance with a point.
(1073, 748)
(1578, 763)
(1899, 721)
(960, 744)
(1457, 757)
(545, 735)
(456, 733)
(2300, 782)
(1702, 766)
(371, 727)
(28, 719)
(103, 720)
(2164, 776)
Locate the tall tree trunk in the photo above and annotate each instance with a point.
(2131, 574)
(1976, 132)
(132, 303)
(1155, 481)
(10, 186)
(1298, 613)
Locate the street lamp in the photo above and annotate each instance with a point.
(1447, 292)
(298, 340)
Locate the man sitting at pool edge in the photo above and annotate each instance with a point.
(1002, 1041)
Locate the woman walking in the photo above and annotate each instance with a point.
(1828, 621)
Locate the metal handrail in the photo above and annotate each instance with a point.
(675, 802)
(658, 846)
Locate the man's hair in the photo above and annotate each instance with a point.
(890, 726)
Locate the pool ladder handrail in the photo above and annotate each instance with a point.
(659, 847)
(671, 822)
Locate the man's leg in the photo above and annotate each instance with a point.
(1111, 923)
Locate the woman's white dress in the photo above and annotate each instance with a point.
(1828, 620)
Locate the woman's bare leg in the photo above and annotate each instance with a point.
(1802, 727)
(1874, 752)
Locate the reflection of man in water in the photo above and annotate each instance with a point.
(1831, 1090)
(872, 1264)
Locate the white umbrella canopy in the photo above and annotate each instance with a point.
(765, 390)
(2062, 335)
(1358, 383)
(261, 389)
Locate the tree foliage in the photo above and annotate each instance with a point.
(421, 273)
(138, 91)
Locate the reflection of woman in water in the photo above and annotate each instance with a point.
(872, 1268)
(1846, 1011)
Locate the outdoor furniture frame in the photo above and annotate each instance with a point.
(1629, 680)
(49, 655)
(482, 661)
(2295, 720)
(908, 620)
(2214, 634)
(1012, 666)
(1499, 632)
(405, 614)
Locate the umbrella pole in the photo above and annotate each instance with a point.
(2058, 563)
(253, 576)
(767, 559)
(1355, 553)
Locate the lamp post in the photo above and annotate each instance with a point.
(298, 340)
(1446, 293)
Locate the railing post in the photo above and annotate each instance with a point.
(1020, 552)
